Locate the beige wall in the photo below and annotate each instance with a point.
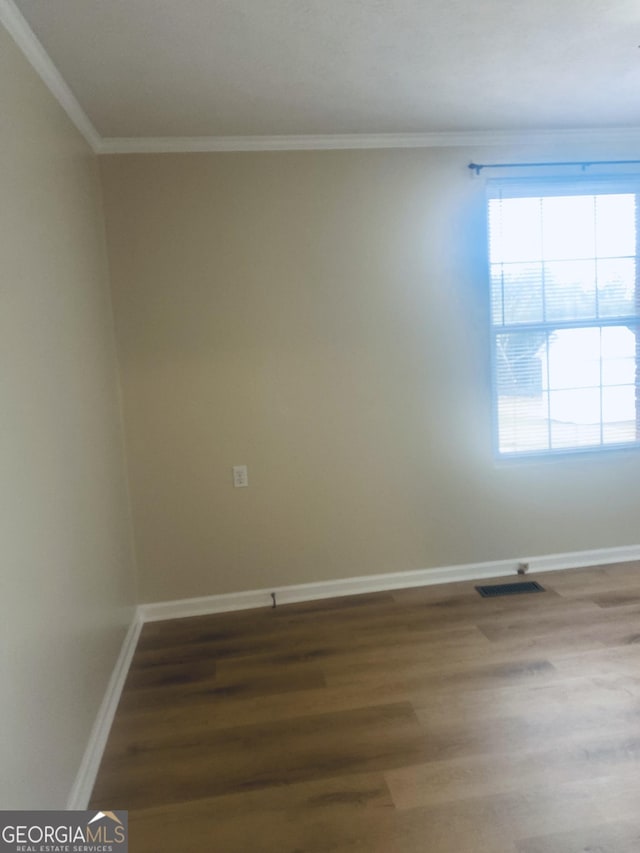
(321, 317)
(67, 574)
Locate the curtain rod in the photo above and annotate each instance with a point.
(584, 164)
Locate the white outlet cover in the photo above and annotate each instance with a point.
(240, 476)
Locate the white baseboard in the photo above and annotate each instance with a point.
(180, 608)
(83, 785)
(86, 776)
(585, 559)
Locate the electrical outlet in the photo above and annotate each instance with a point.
(240, 476)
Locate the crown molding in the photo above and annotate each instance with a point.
(33, 50)
(333, 142)
(28, 43)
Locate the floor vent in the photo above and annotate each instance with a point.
(509, 589)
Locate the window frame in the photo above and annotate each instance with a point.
(543, 187)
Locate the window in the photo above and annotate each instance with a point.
(565, 314)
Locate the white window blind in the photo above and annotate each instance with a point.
(565, 313)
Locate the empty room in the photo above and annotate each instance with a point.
(320, 444)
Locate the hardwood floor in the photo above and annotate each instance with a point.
(419, 721)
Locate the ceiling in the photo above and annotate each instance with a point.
(212, 68)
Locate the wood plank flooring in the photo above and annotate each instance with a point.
(428, 720)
